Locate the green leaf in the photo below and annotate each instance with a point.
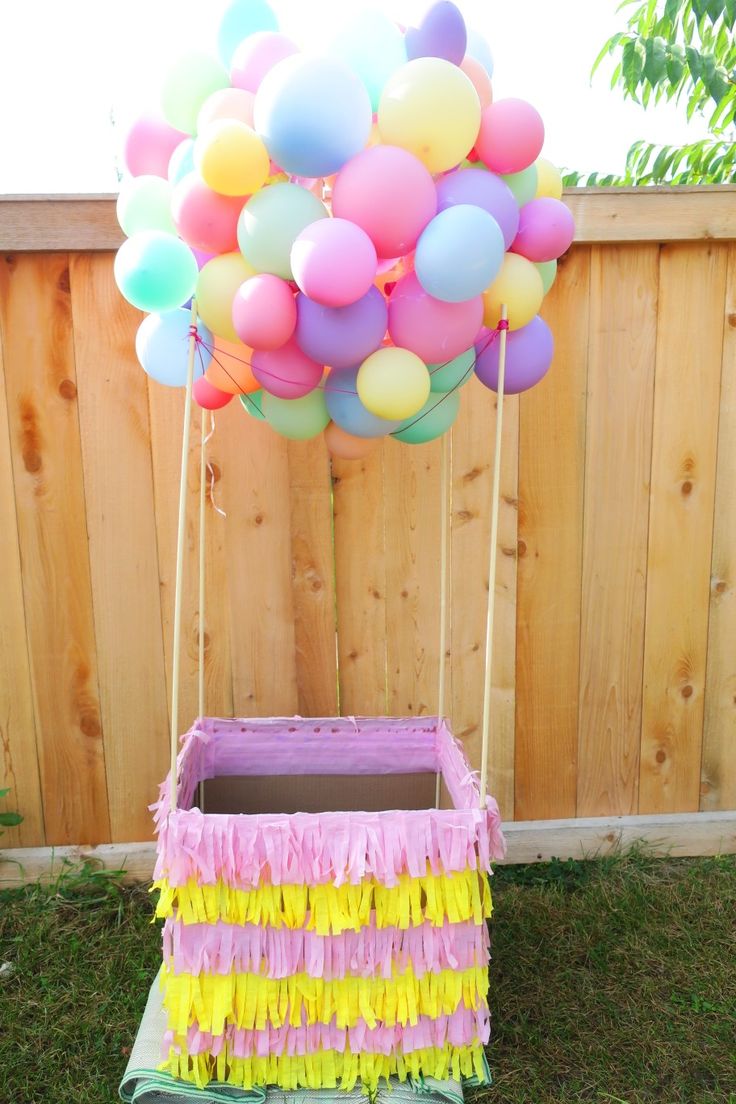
(655, 65)
(675, 68)
(10, 820)
(694, 62)
(4, 793)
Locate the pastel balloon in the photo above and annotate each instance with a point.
(393, 383)
(187, 84)
(271, 222)
(231, 158)
(435, 331)
(209, 397)
(226, 103)
(346, 409)
(549, 179)
(441, 33)
(155, 271)
(459, 253)
(253, 405)
(230, 369)
(313, 113)
(519, 286)
(298, 419)
(334, 262)
(373, 47)
(217, 285)
(257, 55)
(205, 219)
(149, 145)
(341, 336)
(264, 312)
(144, 203)
(529, 354)
(523, 185)
(430, 108)
(479, 78)
(548, 271)
(286, 372)
(479, 49)
(546, 230)
(481, 189)
(162, 347)
(181, 162)
(240, 19)
(453, 373)
(390, 194)
(435, 418)
(511, 135)
(344, 445)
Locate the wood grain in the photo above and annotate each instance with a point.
(688, 374)
(551, 469)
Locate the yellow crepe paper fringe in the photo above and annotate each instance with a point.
(253, 1002)
(326, 1069)
(329, 909)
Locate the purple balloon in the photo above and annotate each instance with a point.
(528, 357)
(346, 409)
(341, 336)
(441, 33)
(546, 230)
(481, 189)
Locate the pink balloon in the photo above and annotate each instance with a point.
(207, 396)
(511, 136)
(334, 262)
(149, 145)
(205, 219)
(546, 230)
(390, 194)
(287, 372)
(264, 312)
(476, 73)
(436, 331)
(258, 54)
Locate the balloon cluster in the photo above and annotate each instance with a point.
(349, 224)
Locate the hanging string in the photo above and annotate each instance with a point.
(444, 542)
(202, 551)
(495, 497)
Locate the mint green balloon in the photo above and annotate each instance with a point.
(373, 47)
(241, 19)
(523, 184)
(155, 271)
(270, 223)
(434, 419)
(548, 272)
(188, 83)
(253, 405)
(144, 203)
(446, 377)
(297, 419)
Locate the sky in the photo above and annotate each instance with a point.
(74, 74)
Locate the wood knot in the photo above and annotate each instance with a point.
(316, 585)
(720, 587)
(521, 547)
(464, 515)
(660, 756)
(68, 389)
(405, 594)
(686, 487)
(352, 654)
(214, 472)
(89, 724)
(705, 788)
(731, 318)
(32, 461)
(687, 691)
(469, 476)
(258, 519)
(63, 283)
(375, 593)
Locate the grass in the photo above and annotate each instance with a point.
(613, 982)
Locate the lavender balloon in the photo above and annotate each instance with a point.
(346, 409)
(528, 357)
(481, 189)
(441, 34)
(341, 336)
(546, 230)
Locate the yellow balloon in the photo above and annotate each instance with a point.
(518, 285)
(218, 281)
(393, 383)
(226, 103)
(549, 179)
(430, 107)
(231, 158)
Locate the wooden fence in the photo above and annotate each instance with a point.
(614, 683)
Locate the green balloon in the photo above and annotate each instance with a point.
(548, 272)
(188, 83)
(253, 405)
(271, 221)
(144, 203)
(155, 271)
(298, 419)
(446, 377)
(434, 419)
(523, 184)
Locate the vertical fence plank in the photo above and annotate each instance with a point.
(623, 330)
(313, 577)
(718, 783)
(115, 436)
(49, 491)
(551, 461)
(360, 572)
(687, 387)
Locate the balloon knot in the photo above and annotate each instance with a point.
(503, 324)
(194, 332)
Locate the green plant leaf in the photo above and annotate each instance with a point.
(10, 820)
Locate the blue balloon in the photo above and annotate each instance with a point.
(373, 47)
(478, 48)
(162, 347)
(314, 114)
(346, 409)
(459, 253)
(181, 162)
(240, 19)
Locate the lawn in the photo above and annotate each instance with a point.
(613, 981)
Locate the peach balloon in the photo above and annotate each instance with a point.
(230, 368)
(479, 78)
(227, 103)
(345, 446)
